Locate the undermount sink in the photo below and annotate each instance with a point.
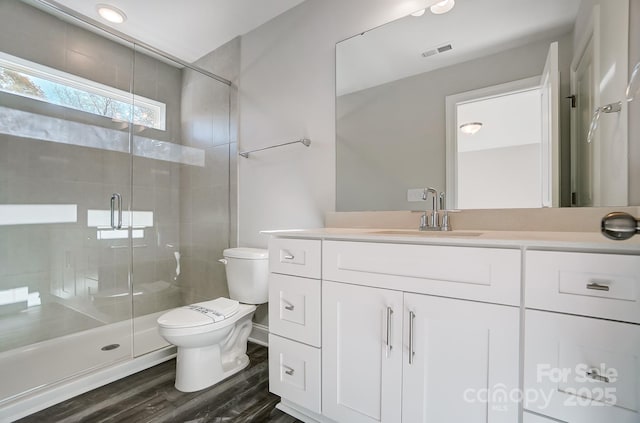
(415, 232)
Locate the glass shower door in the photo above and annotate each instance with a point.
(181, 195)
(65, 193)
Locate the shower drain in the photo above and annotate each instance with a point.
(110, 347)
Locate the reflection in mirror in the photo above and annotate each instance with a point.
(405, 89)
(493, 131)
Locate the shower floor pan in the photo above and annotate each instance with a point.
(42, 374)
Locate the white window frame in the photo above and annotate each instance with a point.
(37, 70)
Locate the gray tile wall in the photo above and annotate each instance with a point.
(66, 263)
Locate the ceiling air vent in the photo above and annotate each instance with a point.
(437, 50)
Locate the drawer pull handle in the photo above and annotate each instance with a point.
(287, 305)
(289, 257)
(593, 374)
(288, 370)
(598, 286)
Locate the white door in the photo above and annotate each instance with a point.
(361, 353)
(464, 361)
(585, 172)
(550, 145)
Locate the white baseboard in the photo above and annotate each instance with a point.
(260, 335)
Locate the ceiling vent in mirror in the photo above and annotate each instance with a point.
(437, 50)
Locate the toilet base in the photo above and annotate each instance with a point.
(200, 368)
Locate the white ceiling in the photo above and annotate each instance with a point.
(187, 29)
(474, 28)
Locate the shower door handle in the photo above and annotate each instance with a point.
(116, 197)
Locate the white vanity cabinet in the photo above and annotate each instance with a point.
(369, 331)
(390, 355)
(582, 340)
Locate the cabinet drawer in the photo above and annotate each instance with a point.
(294, 372)
(482, 274)
(599, 285)
(581, 369)
(299, 257)
(294, 308)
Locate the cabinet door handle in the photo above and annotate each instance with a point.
(598, 285)
(288, 370)
(594, 375)
(116, 197)
(288, 256)
(412, 317)
(389, 346)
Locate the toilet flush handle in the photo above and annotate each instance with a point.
(223, 261)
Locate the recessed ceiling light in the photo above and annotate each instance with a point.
(471, 128)
(419, 12)
(111, 13)
(442, 7)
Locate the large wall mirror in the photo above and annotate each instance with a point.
(497, 103)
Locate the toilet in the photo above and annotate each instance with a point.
(211, 336)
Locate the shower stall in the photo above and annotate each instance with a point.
(116, 175)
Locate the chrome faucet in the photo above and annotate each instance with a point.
(430, 222)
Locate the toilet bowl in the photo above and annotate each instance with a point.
(211, 336)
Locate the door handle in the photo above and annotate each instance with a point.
(412, 317)
(115, 197)
(388, 342)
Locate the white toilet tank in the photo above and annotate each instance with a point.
(247, 274)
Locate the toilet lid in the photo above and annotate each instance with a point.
(199, 314)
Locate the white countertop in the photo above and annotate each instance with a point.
(592, 241)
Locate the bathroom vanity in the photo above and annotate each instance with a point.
(401, 326)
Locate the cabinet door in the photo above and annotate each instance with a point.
(361, 353)
(464, 361)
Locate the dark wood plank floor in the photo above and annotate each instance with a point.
(149, 396)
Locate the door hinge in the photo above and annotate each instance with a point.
(573, 101)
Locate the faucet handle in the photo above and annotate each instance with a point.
(446, 226)
(423, 221)
(445, 221)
